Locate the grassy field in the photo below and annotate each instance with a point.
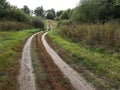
(105, 66)
(11, 45)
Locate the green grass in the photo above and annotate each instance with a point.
(11, 44)
(103, 65)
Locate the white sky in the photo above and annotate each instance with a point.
(47, 4)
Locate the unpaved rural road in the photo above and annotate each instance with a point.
(27, 79)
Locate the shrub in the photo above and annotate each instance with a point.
(38, 22)
(14, 15)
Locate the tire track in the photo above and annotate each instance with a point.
(76, 80)
(26, 76)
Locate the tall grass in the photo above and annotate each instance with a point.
(13, 25)
(105, 36)
(11, 43)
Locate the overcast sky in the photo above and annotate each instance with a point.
(47, 4)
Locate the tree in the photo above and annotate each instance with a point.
(59, 13)
(26, 9)
(50, 14)
(39, 11)
(87, 11)
(66, 14)
(4, 4)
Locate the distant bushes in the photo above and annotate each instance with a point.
(35, 22)
(15, 19)
(14, 15)
(38, 22)
(105, 36)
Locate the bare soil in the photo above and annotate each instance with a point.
(55, 78)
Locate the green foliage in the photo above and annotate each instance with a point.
(38, 22)
(39, 11)
(14, 15)
(93, 11)
(59, 13)
(4, 4)
(65, 14)
(103, 65)
(64, 22)
(105, 36)
(12, 25)
(26, 9)
(50, 14)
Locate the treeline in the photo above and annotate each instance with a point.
(13, 18)
(94, 11)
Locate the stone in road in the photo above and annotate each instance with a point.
(26, 77)
(76, 80)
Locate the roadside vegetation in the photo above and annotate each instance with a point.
(11, 45)
(16, 25)
(97, 37)
(13, 18)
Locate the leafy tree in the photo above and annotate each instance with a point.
(26, 9)
(39, 11)
(66, 14)
(87, 11)
(4, 4)
(92, 11)
(50, 14)
(59, 13)
(38, 22)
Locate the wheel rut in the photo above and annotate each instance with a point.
(56, 78)
(75, 78)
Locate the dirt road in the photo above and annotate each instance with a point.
(26, 77)
(76, 80)
(55, 79)
(60, 76)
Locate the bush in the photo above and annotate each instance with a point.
(38, 22)
(14, 15)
